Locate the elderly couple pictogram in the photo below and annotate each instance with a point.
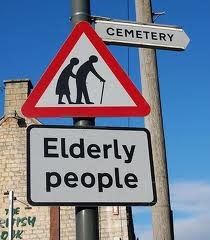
(62, 87)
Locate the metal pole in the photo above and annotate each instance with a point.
(161, 212)
(10, 218)
(80, 11)
(86, 217)
(86, 223)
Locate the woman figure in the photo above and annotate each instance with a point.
(62, 87)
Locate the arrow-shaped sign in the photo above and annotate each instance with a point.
(142, 35)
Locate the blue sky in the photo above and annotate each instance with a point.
(33, 31)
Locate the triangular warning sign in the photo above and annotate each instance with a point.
(84, 80)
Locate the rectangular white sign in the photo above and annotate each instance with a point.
(142, 35)
(94, 166)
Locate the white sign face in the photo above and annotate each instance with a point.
(99, 87)
(142, 35)
(94, 166)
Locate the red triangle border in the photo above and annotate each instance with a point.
(142, 108)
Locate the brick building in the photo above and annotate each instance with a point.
(115, 223)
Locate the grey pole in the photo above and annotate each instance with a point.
(162, 219)
(86, 217)
(10, 218)
(80, 11)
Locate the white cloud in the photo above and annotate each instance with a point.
(194, 228)
(191, 199)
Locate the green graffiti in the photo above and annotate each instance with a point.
(4, 235)
(17, 222)
(16, 211)
(16, 234)
(31, 221)
(21, 222)
(2, 221)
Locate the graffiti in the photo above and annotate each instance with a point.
(17, 234)
(18, 221)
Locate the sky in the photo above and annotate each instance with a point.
(33, 31)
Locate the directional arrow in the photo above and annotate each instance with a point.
(142, 35)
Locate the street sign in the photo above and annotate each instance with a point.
(142, 35)
(94, 166)
(84, 80)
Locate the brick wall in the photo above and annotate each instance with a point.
(16, 92)
(34, 223)
(13, 177)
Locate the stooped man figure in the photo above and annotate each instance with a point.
(81, 79)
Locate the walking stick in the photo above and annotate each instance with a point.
(102, 93)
